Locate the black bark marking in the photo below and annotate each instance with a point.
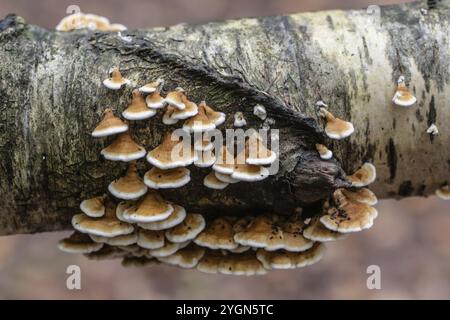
(392, 160)
(330, 22)
(405, 189)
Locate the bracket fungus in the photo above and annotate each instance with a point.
(176, 98)
(443, 192)
(215, 116)
(123, 240)
(137, 109)
(239, 120)
(403, 97)
(152, 207)
(215, 261)
(106, 226)
(172, 153)
(348, 216)
(167, 117)
(324, 152)
(225, 177)
(362, 195)
(115, 81)
(218, 234)
(187, 257)
(145, 229)
(78, 242)
(190, 110)
(205, 159)
(211, 181)
(191, 226)
(109, 125)
(200, 122)
(290, 260)
(155, 100)
(260, 112)
(433, 129)
(168, 249)
(363, 176)
(243, 171)
(258, 153)
(150, 239)
(89, 21)
(225, 161)
(151, 87)
(128, 187)
(171, 178)
(336, 128)
(123, 148)
(175, 218)
(93, 207)
(316, 231)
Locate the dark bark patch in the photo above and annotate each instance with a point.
(392, 159)
(330, 22)
(405, 189)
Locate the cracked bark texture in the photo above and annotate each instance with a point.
(51, 97)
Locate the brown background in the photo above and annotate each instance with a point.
(409, 240)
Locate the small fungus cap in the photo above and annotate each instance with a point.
(172, 154)
(150, 239)
(168, 249)
(167, 117)
(109, 125)
(363, 176)
(123, 148)
(191, 226)
(152, 207)
(128, 187)
(316, 231)
(211, 181)
(93, 207)
(115, 81)
(124, 240)
(362, 195)
(349, 216)
(176, 99)
(324, 152)
(78, 242)
(171, 178)
(214, 116)
(200, 122)
(138, 109)
(289, 260)
(155, 101)
(258, 154)
(443, 192)
(217, 235)
(232, 263)
(151, 87)
(190, 110)
(106, 226)
(403, 97)
(205, 159)
(187, 257)
(224, 161)
(335, 127)
(175, 218)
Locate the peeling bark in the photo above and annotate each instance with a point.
(51, 97)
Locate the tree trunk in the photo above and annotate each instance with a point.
(51, 97)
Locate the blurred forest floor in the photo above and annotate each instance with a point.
(409, 240)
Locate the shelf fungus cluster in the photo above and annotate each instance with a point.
(90, 21)
(134, 222)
